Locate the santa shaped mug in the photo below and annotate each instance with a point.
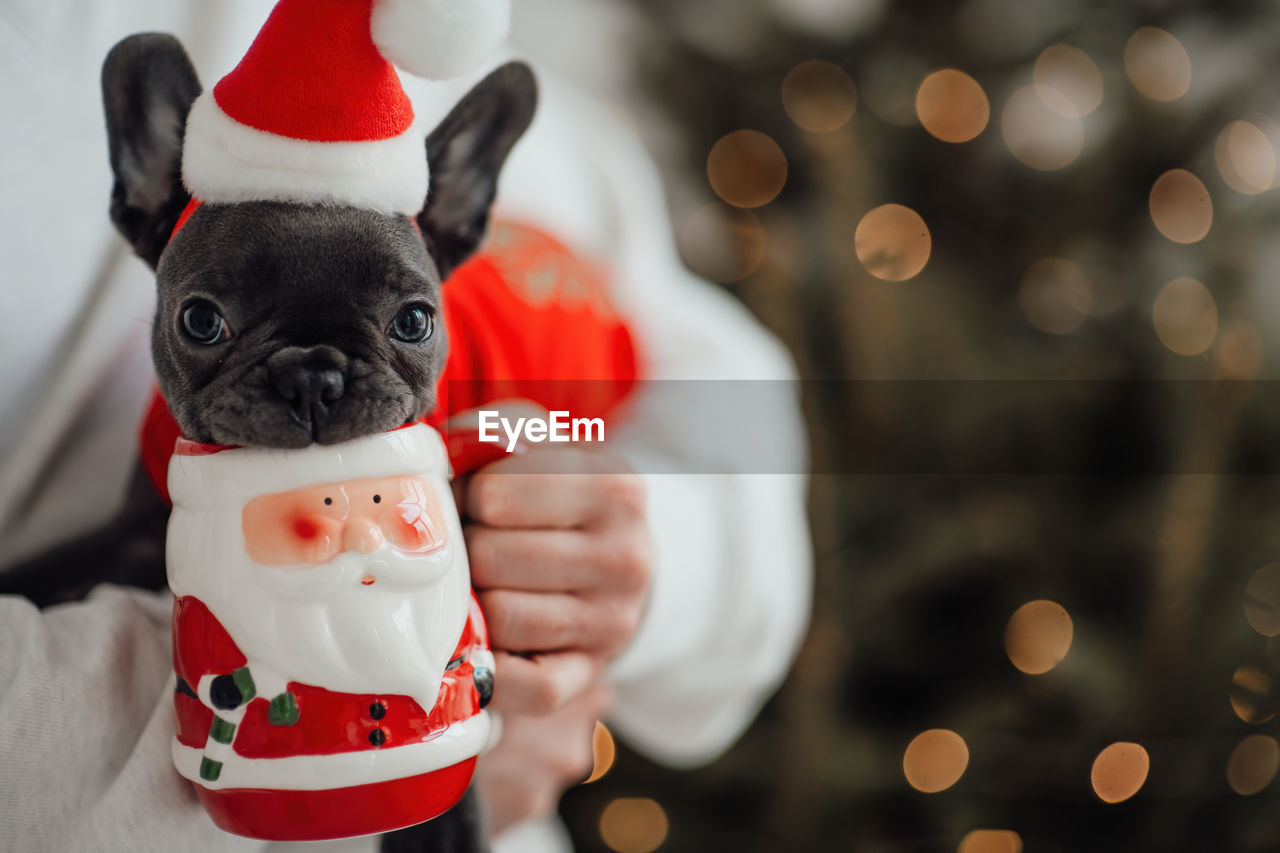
(332, 662)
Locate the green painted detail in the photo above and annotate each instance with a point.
(283, 710)
(210, 770)
(244, 681)
(221, 730)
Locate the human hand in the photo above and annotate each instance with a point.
(523, 777)
(560, 559)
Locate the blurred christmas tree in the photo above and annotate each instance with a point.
(1073, 652)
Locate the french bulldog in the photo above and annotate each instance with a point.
(282, 325)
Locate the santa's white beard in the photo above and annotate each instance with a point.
(320, 625)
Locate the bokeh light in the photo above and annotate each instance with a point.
(1119, 772)
(1038, 636)
(1038, 136)
(991, 841)
(1262, 600)
(888, 84)
(1238, 351)
(747, 168)
(952, 106)
(1252, 696)
(1181, 207)
(633, 825)
(819, 96)
(1271, 130)
(1253, 764)
(603, 752)
(1246, 158)
(1068, 81)
(1157, 64)
(893, 242)
(1055, 296)
(722, 243)
(935, 760)
(1185, 316)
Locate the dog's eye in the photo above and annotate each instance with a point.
(413, 324)
(202, 323)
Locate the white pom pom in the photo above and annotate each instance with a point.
(439, 39)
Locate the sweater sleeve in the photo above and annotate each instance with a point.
(730, 592)
(86, 724)
(729, 600)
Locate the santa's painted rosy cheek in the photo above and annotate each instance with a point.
(312, 540)
(413, 526)
(412, 534)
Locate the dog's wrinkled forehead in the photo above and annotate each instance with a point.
(236, 246)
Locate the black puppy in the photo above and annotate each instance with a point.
(279, 325)
(282, 325)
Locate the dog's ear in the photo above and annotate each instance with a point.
(465, 154)
(148, 85)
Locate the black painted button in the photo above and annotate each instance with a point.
(377, 710)
(483, 678)
(377, 737)
(224, 693)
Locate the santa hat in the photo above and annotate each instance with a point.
(315, 112)
(213, 477)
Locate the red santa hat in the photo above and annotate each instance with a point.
(213, 477)
(315, 112)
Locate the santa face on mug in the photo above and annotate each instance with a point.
(359, 586)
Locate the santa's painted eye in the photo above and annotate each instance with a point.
(328, 501)
(377, 499)
(413, 325)
(204, 324)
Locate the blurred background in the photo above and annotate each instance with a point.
(1064, 210)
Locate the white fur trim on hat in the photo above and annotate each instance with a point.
(226, 162)
(233, 477)
(439, 39)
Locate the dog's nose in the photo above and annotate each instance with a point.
(310, 381)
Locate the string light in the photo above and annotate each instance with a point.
(819, 96)
(952, 106)
(991, 841)
(1055, 296)
(1239, 351)
(633, 825)
(1251, 695)
(747, 168)
(935, 760)
(1038, 636)
(1246, 158)
(723, 243)
(603, 752)
(1181, 207)
(1068, 81)
(889, 83)
(1119, 772)
(1271, 130)
(1185, 316)
(1157, 64)
(1038, 136)
(893, 242)
(1262, 600)
(1253, 764)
